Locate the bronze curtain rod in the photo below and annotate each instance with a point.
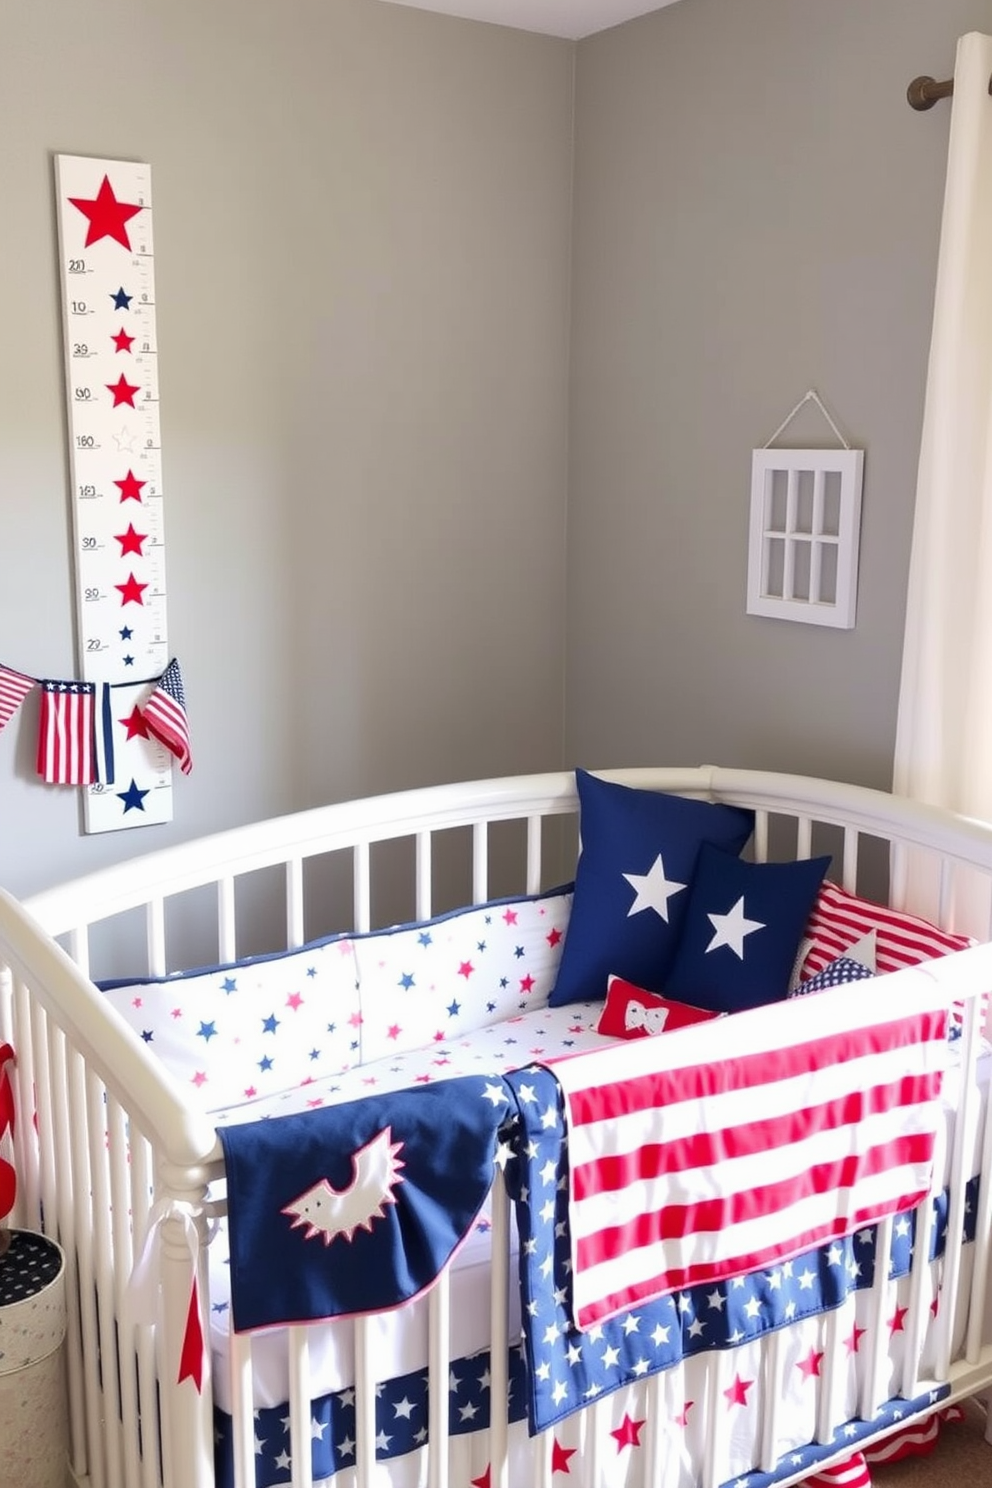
(924, 92)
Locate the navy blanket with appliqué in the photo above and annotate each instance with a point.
(356, 1207)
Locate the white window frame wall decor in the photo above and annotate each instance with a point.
(804, 532)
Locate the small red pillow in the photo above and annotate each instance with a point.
(629, 1012)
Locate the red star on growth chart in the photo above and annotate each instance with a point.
(107, 216)
(123, 391)
(130, 487)
(131, 592)
(131, 541)
(135, 724)
(122, 340)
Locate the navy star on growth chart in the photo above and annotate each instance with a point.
(133, 798)
(122, 300)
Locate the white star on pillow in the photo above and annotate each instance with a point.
(652, 890)
(730, 929)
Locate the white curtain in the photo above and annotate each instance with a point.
(943, 749)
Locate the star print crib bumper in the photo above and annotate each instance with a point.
(753, 1240)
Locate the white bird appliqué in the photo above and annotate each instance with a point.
(328, 1211)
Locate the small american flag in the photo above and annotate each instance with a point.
(65, 733)
(829, 1126)
(165, 715)
(14, 688)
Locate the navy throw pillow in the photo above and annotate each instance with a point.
(639, 851)
(742, 928)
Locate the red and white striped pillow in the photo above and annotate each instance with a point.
(839, 919)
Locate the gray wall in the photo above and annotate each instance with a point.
(362, 219)
(371, 274)
(757, 212)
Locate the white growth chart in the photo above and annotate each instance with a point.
(115, 459)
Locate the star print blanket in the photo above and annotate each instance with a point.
(567, 1367)
(356, 1207)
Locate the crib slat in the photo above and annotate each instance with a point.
(227, 932)
(849, 859)
(772, 1390)
(499, 1335)
(898, 874)
(301, 1465)
(882, 1294)
(362, 888)
(365, 1383)
(655, 1439)
(828, 1411)
(79, 947)
(958, 1177)
(64, 1213)
(915, 1323)
(438, 1366)
(295, 918)
(543, 1445)
(96, 1121)
(43, 1115)
(760, 836)
(655, 1433)
(6, 1005)
(423, 868)
(983, 1242)
(29, 1204)
(596, 1426)
(480, 862)
(122, 1261)
(155, 937)
(945, 894)
(82, 1226)
(718, 1370)
(534, 855)
(242, 1417)
(142, 1186)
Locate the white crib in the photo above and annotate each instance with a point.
(117, 1146)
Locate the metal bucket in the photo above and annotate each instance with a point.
(33, 1401)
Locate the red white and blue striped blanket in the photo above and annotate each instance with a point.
(686, 1168)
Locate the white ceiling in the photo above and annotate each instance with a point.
(570, 18)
